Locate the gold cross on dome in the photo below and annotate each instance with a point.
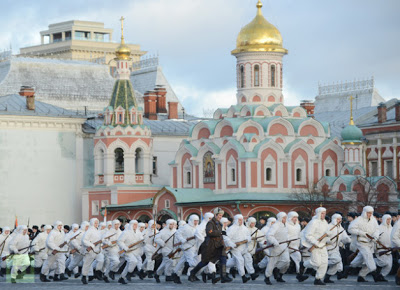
(351, 98)
(122, 28)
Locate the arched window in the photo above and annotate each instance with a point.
(298, 175)
(328, 172)
(233, 174)
(268, 174)
(272, 76)
(242, 76)
(188, 178)
(119, 160)
(120, 118)
(101, 163)
(138, 160)
(256, 75)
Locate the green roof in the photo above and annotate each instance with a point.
(351, 133)
(290, 145)
(123, 96)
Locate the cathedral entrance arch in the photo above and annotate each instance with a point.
(166, 214)
(266, 214)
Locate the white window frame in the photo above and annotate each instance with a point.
(187, 167)
(269, 162)
(95, 207)
(300, 163)
(231, 164)
(386, 161)
(329, 164)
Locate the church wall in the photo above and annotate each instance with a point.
(30, 188)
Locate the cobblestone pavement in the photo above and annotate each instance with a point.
(150, 284)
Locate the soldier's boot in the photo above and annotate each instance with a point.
(36, 271)
(157, 277)
(99, 275)
(84, 281)
(141, 274)
(192, 277)
(275, 272)
(56, 278)
(224, 278)
(129, 277)
(185, 269)
(176, 279)
(150, 274)
(301, 278)
(13, 280)
(169, 279)
(77, 275)
(232, 271)
(68, 272)
(204, 277)
(319, 282)
(267, 281)
(257, 269)
(214, 278)
(327, 279)
(376, 274)
(43, 278)
(280, 280)
(91, 278)
(344, 274)
(245, 279)
(62, 277)
(105, 279)
(122, 280)
(254, 276)
(361, 279)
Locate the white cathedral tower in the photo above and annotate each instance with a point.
(259, 54)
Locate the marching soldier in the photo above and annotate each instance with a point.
(338, 237)
(91, 242)
(384, 259)
(19, 247)
(165, 239)
(365, 228)
(314, 237)
(149, 247)
(55, 243)
(111, 250)
(39, 248)
(277, 235)
(5, 239)
(77, 250)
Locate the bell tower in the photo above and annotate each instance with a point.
(259, 71)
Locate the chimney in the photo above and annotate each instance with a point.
(382, 113)
(161, 99)
(309, 107)
(150, 105)
(397, 111)
(29, 93)
(172, 110)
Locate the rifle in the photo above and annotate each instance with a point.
(172, 254)
(337, 235)
(323, 237)
(99, 242)
(254, 232)
(63, 244)
(155, 256)
(131, 246)
(352, 256)
(390, 250)
(378, 242)
(6, 257)
(106, 246)
(270, 246)
(187, 240)
(34, 253)
(255, 239)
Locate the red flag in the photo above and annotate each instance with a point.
(105, 214)
(16, 222)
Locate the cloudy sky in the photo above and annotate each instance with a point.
(328, 41)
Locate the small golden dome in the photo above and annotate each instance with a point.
(259, 35)
(123, 52)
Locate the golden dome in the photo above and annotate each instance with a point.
(123, 52)
(259, 35)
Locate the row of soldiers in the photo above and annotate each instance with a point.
(100, 251)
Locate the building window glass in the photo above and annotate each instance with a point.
(119, 160)
(389, 168)
(138, 161)
(272, 76)
(187, 174)
(233, 175)
(256, 75)
(268, 174)
(298, 175)
(95, 207)
(188, 178)
(231, 170)
(167, 203)
(374, 168)
(242, 76)
(328, 172)
(154, 165)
